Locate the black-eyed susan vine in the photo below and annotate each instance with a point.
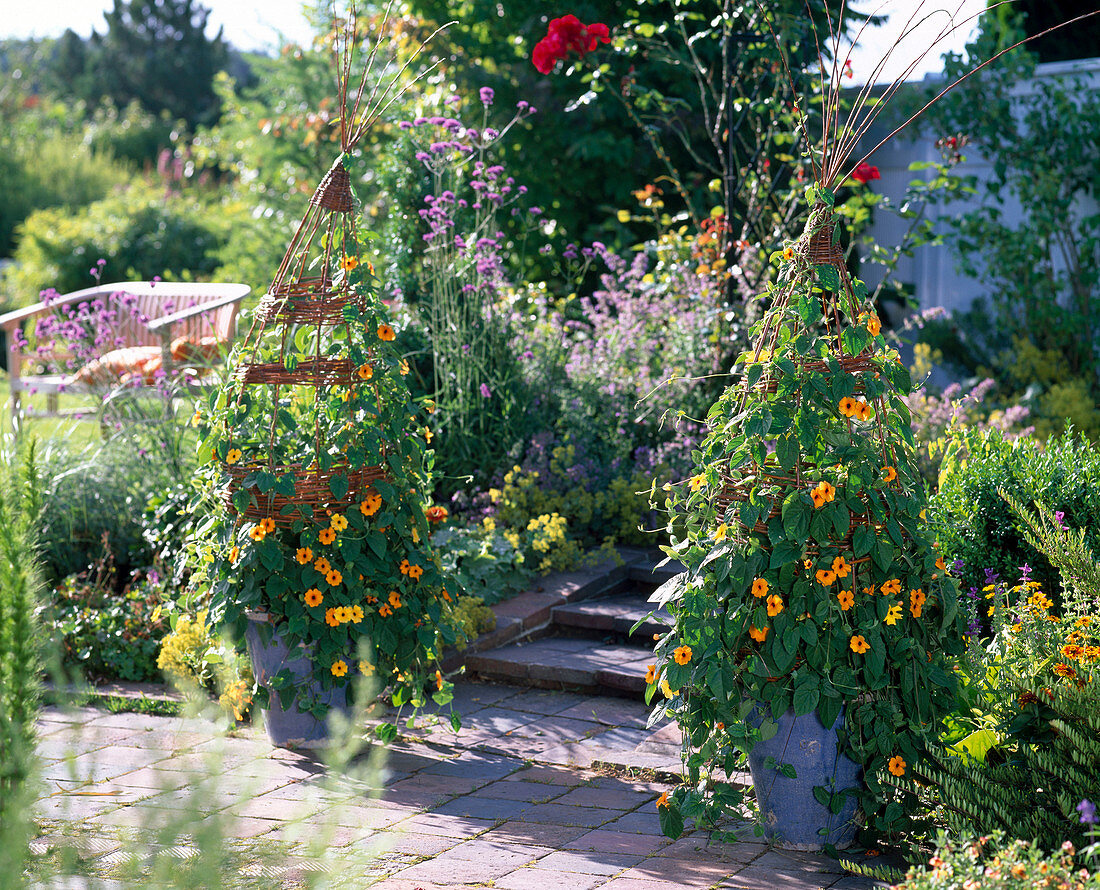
(319, 462)
(811, 582)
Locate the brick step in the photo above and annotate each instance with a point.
(615, 614)
(567, 663)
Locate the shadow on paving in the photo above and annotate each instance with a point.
(510, 801)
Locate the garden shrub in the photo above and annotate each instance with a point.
(473, 618)
(974, 524)
(481, 561)
(141, 232)
(194, 658)
(107, 632)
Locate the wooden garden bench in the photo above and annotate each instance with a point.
(163, 313)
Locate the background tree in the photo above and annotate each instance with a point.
(157, 52)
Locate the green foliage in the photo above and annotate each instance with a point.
(482, 562)
(973, 523)
(998, 862)
(194, 659)
(21, 657)
(812, 582)
(140, 232)
(106, 632)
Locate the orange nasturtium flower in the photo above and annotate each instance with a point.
(371, 504)
(339, 523)
(651, 675)
(327, 536)
(775, 605)
(304, 555)
(858, 644)
(841, 568)
(314, 597)
(897, 765)
(334, 577)
(339, 668)
(759, 588)
(365, 371)
(846, 599)
(889, 474)
(385, 332)
(233, 456)
(893, 614)
(825, 577)
(682, 654)
(758, 633)
(322, 566)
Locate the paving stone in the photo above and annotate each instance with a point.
(474, 806)
(609, 796)
(535, 833)
(547, 775)
(540, 701)
(604, 864)
(530, 792)
(475, 765)
(560, 729)
(624, 883)
(686, 872)
(603, 841)
(751, 878)
(542, 879)
(447, 826)
(609, 711)
(531, 608)
(410, 843)
(616, 614)
(557, 814)
(457, 871)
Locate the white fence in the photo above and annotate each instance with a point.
(931, 272)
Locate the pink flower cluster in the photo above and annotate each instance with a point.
(565, 35)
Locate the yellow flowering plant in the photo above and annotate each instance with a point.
(320, 477)
(812, 583)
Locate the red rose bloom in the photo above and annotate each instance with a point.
(864, 173)
(566, 35)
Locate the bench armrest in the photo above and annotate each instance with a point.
(166, 321)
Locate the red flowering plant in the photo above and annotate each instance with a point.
(566, 35)
(865, 172)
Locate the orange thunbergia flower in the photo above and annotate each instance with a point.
(841, 568)
(870, 591)
(395, 599)
(267, 524)
(874, 325)
(446, 596)
(662, 801)
(698, 482)
(334, 577)
(371, 600)
(314, 597)
(436, 514)
(822, 493)
(916, 602)
(339, 668)
(825, 577)
(846, 599)
(234, 455)
(893, 614)
(428, 435)
(327, 536)
(758, 633)
(858, 644)
(788, 253)
(682, 654)
(403, 367)
(385, 611)
(234, 555)
(848, 406)
(889, 474)
(385, 332)
(257, 533)
(1074, 651)
(721, 532)
(666, 690)
(891, 587)
(1064, 670)
(365, 371)
(356, 614)
(343, 614)
(940, 564)
(371, 505)
(330, 618)
(322, 566)
(415, 572)
(438, 680)
(339, 523)
(775, 605)
(864, 411)
(349, 263)
(651, 674)
(897, 765)
(759, 588)
(404, 567)
(304, 555)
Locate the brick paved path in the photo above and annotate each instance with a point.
(520, 798)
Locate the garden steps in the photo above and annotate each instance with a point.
(584, 641)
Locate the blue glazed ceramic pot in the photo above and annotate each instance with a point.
(791, 815)
(289, 727)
